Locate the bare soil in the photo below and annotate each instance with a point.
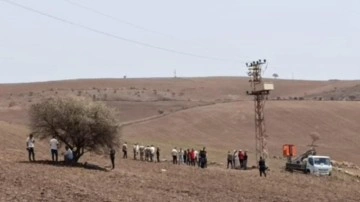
(188, 113)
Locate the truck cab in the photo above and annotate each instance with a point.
(319, 165)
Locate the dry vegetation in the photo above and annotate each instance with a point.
(211, 112)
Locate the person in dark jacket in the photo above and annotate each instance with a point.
(185, 157)
(203, 159)
(229, 160)
(262, 167)
(245, 160)
(112, 157)
(158, 154)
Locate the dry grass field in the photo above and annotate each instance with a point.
(189, 113)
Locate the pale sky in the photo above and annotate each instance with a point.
(306, 39)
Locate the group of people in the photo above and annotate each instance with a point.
(189, 157)
(54, 146)
(240, 156)
(143, 153)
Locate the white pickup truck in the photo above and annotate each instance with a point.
(313, 164)
(318, 165)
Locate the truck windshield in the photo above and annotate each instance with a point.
(324, 161)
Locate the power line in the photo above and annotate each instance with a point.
(139, 27)
(113, 35)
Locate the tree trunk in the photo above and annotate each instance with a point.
(78, 153)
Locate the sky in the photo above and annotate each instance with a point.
(42, 40)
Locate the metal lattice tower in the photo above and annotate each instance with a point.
(260, 91)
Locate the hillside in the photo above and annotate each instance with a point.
(189, 113)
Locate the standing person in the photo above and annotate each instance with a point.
(245, 160)
(124, 149)
(262, 167)
(234, 159)
(229, 160)
(185, 156)
(152, 153)
(181, 156)
(30, 144)
(158, 154)
(197, 157)
(189, 157)
(135, 150)
(147, 153)
(142, 152)
(54, 143)
(241, 159)
(174, 154)
(193, 157)
(203, 158)
(112, 157)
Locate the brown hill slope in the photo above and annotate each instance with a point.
(184, 122)
(138, 181)
(223, 127)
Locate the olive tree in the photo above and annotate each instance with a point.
(275, 75)
(80, 124)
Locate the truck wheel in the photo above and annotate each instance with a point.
(307, 171)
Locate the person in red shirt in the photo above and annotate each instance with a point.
(193, 157)
(241, 159)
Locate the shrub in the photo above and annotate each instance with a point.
(12, 104)
(81, 125)
(352, 97)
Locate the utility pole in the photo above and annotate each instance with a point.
(260, 91)
(175, 74)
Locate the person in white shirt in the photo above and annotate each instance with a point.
(181, 156)
(68, 155)
(174, 154)
(152, 153)
(124, 149)
(54, 143)
(30, 144)
(142, 152)
(136, 150)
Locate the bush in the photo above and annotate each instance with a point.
(81, 125)
(352, 97)
(12, 104)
